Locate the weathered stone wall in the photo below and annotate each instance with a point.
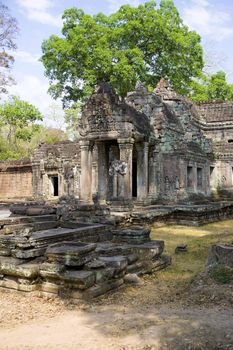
(56, 169)
(180, 144)
(220, 111)
(216, 121)
(16, 179)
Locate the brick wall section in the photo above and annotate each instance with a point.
(16, 179)
(215, 111)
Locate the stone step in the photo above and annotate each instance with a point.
(26, 219)
(95, 231)
(44, 225)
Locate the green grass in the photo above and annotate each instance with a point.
(185, 266)
(221, 273)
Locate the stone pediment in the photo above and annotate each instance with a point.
(105, 113)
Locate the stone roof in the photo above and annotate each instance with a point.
(105, 112)
(166, 92)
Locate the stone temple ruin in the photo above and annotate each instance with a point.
(78, 206)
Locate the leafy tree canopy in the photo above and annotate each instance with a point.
(8, 32)
(16, 116)
(141, 43)
(19, 132)
(213, 87)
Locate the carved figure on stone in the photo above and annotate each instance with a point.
(167, 184)
(42, 169)
(177, 183)
(69, 176)
(118, 167)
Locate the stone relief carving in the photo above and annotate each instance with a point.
(171, 183)
(98, 119)
(118, 167)
(68, 172)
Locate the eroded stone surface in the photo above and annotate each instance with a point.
(220, 253)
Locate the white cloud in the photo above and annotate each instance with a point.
(115, 4)
(207, 20)
(40, 5)
(39, 11)
(26, 57)
(34, 90)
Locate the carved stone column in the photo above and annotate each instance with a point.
(102, 172)
(142, 170)
(153, 170)
(86, 172)
(125, 181)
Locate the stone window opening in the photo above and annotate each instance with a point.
(53, 185)
(230, 141)
(189, 176)
(211, 176)
(199, 177)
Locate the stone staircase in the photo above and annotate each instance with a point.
(39, 253)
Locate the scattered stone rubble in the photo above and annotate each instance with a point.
(43, 255)
(220, 253)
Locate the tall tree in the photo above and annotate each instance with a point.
(8, 32)
(141, 43)
(17, 118)
(213, 87)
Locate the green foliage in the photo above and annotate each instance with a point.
(8, 30)
(143, 44)
(214, 87)
(47, 134)
(17, 121)
(221, 273)
(72, 115)
(17, 115)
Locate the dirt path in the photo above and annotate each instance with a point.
(36, 323)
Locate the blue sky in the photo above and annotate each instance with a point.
(38, 19)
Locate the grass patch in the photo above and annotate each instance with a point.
(221, 273)
(185, 266)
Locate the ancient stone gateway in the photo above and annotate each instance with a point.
(119, 135)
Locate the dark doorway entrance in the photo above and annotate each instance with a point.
(134, 179)
(54, 185)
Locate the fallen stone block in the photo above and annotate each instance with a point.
(51, 270)
(78, 279)
(117, 262)
(14, 267)
(71, 253)
(98, 290)
(28, 253)
(133, 278)
(103, 275)
(220, 253)
(181, 248)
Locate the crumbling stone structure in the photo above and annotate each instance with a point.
(216, 121)
(56, 170)
(137, 155)
(149, 148)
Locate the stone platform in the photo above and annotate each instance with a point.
(73, 259)
(190, 214)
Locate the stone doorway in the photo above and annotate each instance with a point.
(53, 181)
(134, 179)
